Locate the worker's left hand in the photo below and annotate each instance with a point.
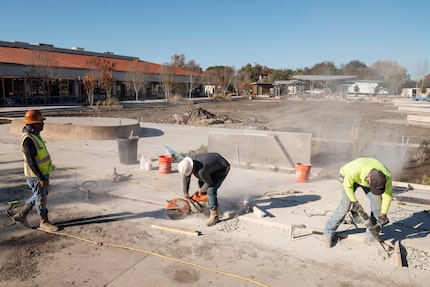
(383, 220)
(43, 182)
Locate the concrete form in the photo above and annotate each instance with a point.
(421, 108)
(262, 149)
(84, 128)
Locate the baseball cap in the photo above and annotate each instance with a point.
(377, 182)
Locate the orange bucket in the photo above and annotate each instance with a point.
(303, 172)
(164, 164)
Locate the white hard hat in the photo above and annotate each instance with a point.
(185, 167)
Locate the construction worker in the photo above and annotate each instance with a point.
(37, 166)
(211, 169)
(376, 181)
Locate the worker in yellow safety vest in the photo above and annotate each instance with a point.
(37, 167)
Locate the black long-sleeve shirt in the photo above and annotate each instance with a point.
(208, 168)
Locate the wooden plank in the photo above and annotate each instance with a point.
(398, 254)
(176, 229)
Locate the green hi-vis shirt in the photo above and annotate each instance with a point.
(356, 171)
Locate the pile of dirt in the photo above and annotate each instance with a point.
(199, 116)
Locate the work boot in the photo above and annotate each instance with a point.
(213, 219)
(21, 215)
(45, 225)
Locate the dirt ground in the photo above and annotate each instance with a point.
(103, 244)
(331, 123)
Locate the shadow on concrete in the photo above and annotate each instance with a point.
(109, 218)
(267, 204)
(415, 226)
(150, 132)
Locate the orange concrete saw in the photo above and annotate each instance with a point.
(179, 208)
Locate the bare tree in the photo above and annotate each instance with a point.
(193, 68)
(167, 81)
(90, 84)
(178, 61)
(139, 76)
(103, 70)
(42, 67)
(390, 72)
(422, 70)
(224, 76)
(195, 78)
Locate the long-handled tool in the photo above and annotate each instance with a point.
(360, 216)
(171, 151)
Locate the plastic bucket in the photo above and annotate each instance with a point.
(303, 172)
(127, 149)
(164, 164)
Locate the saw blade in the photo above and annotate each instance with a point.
(177, 208)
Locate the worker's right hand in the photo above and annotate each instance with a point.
(382, 220)
(186, 196)
(355, 206)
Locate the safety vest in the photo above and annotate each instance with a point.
(43, 159)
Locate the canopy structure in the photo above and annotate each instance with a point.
(324, 80)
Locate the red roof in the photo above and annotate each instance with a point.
(22, 56)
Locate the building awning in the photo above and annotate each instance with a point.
(322, 77)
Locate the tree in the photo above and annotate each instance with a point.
(90, 84)
(178, 61)
(422, 70)
(167, 81)
(426, 81)
(390, 72)
(195, 78)
(139, 76)
(281, 75)
(193, 68)
(223, 75)
(356, 89)
(103, 70)
(356, 68)
(325, 68)
(42, 67)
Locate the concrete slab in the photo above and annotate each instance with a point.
(83, 181)
(419, 119)
(420, 109)
(411, 103)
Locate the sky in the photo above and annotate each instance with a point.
(279, 34)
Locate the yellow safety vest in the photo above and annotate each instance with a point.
(43, 159)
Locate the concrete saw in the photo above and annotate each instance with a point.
(180, 207)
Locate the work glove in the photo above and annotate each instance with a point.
(43, 182)
(355, 206)
(200, 192)
(382, 220)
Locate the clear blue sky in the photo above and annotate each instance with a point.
(280, 34)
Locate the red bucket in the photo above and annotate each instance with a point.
(303, 172)
(164, 164)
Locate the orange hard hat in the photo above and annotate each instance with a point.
(33, 117)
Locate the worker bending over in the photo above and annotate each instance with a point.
(211, 169)
(375, 180)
